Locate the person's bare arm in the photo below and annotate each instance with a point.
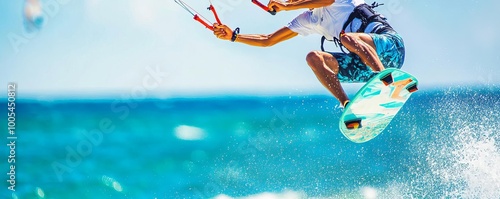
(278, 5)
(225, 33)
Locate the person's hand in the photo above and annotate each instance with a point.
(277, 5)
(222, 31)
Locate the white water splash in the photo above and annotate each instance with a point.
(268, 195)
(369, 192)
(463, 158)
(185, 132)
(473, 166)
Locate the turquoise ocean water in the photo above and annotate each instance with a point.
(443, 144)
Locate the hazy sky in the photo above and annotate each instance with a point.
(95, 47)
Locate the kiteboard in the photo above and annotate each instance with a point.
(375, 104)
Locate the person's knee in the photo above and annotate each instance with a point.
(348, 40)
(314, 58)
(319, 60)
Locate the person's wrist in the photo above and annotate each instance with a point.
(235, 34)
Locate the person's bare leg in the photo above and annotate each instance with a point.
(362, 45)
(326, 68)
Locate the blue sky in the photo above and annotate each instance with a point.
(108, 48)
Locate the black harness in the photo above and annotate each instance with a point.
(367, 15)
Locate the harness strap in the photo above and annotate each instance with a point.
(367, 15)
(323, 38)
(336, 41)
(351, 17)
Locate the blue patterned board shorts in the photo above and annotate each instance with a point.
(390, 50)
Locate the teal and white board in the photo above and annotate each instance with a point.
(376, 104)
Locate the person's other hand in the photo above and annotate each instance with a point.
(276, 5)
(223, 32)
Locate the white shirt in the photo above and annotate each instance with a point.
(329, 20)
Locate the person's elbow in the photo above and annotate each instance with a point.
(269, 41)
